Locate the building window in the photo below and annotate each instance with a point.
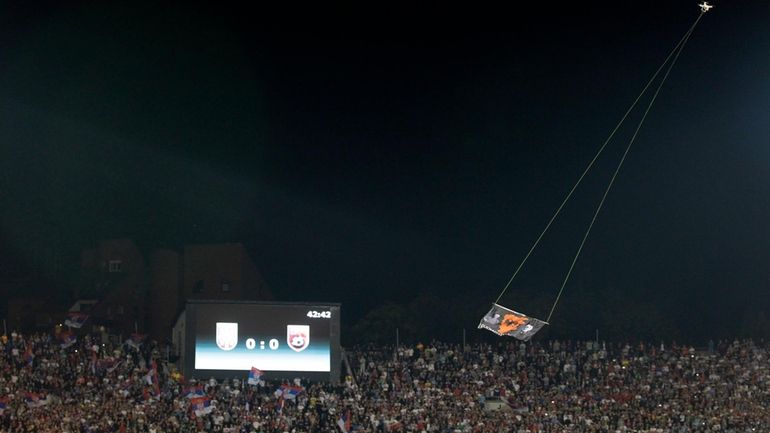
(198, 287)
(116, 266)
(225, 286)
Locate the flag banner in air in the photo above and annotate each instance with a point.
(503, 321)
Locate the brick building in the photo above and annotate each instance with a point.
(114, 272)
(149, 294)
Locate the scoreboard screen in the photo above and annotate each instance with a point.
(284, 340)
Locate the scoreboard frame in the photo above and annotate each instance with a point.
(187, 332)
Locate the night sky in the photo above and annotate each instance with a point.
(372, 156)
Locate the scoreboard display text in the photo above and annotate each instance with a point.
(296, 338)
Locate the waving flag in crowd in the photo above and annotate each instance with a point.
(344, 422)
(75, 319)
(201, 406)
(35, 400)
(289, 392)
(109, 363)
(67, 339)
(194, 391)
(255, 375)
(503, 321)
(29, 357)
(152, 379)
(135, 340)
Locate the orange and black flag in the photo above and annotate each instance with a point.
(503, 321)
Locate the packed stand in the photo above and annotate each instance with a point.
(85, 384)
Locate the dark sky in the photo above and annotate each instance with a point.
(367, 156)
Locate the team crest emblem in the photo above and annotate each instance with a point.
(298, 337)
(227, 335)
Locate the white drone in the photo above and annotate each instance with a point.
(704, 7)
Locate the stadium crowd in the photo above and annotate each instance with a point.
(50, 383)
